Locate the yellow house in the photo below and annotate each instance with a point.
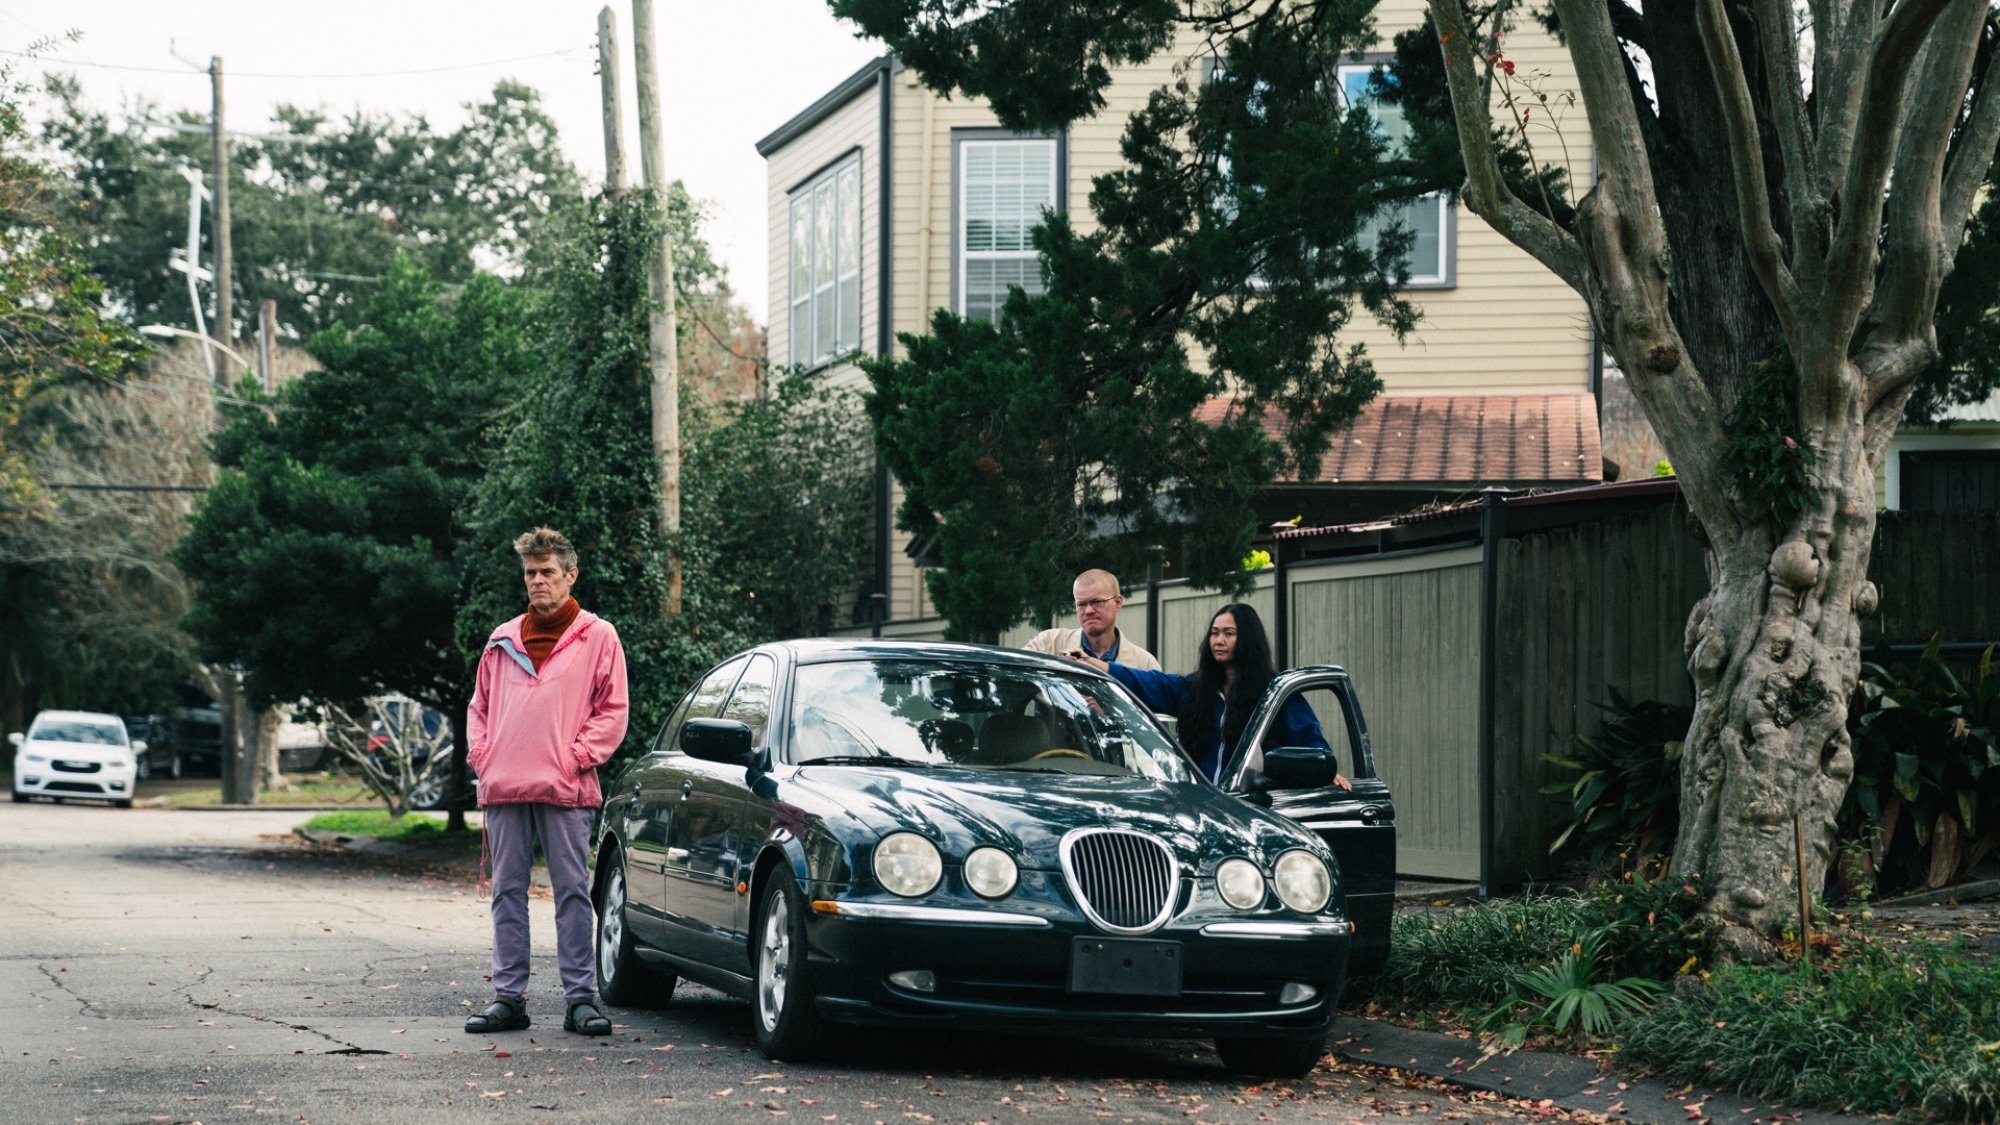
(887, 201)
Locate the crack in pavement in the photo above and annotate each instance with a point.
(83, 1005)
(342, 1046)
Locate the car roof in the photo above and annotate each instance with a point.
(822, 651)
(76, 716)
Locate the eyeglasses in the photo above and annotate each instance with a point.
(1093, 603)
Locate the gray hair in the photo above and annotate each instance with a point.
(546, 541)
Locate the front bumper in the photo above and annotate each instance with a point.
(1238, 976)
(107, 781)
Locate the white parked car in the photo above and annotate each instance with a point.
(76, 754)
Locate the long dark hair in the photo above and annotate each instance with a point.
(1252, 661)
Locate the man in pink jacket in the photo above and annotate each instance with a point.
(548, 708)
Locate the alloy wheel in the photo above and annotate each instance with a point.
(774, 962)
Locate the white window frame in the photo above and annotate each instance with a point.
(1443, 271)
(832, 294)
(965, 140)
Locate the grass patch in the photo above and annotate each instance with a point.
(1469, 956)
(1874, 1029)
(377, 823)
(328, 791)
(1869, 1028)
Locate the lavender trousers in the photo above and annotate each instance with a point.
(511, 834)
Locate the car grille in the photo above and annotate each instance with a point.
(77, 767)
(1125, 881)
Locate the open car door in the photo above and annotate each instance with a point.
(1359, 824)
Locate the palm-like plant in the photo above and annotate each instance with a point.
(1566, 994)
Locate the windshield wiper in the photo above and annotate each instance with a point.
(867, 760)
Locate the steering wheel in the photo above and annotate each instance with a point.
(1059, 752)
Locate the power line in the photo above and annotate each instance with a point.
(279, 75)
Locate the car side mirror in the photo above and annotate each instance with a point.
(16, 738)
(1294, 767)
(720, 740)
(138, 746)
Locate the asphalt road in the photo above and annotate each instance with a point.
(171, 966)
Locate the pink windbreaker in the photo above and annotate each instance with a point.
(540, 738)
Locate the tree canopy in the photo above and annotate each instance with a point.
(319, 205)
(329, 555)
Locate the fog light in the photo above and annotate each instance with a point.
(916, 980)
(31, 779)
(117, 785)
(1296, 993)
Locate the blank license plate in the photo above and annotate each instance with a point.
(1125, 966)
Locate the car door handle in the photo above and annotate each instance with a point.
(1371, 814)
(687, 790)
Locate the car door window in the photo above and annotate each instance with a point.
(704, 702)
(750, 703)
(1300, 711)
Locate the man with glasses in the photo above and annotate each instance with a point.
(1097, 635)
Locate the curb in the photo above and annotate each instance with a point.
(1569, 1081)
(537, 875)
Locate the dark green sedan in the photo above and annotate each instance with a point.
(929, 834)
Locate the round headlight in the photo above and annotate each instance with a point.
(990, 872)
(1240, 884)
(907, 864)
(1302, 880)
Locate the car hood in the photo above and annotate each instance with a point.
(75, 751)
(1029, 813)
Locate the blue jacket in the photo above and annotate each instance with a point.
(1167, 693)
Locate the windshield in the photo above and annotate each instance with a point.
(73, 730)
(976, 716)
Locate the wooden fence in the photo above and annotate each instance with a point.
(1494, 641)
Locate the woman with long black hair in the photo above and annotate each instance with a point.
(1232, 671)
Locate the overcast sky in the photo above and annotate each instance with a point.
(733, 71)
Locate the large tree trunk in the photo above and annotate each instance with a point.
(1774, 651)
(1734, 221)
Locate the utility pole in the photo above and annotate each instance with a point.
(660, 327)
(219, 142)
(614, 108)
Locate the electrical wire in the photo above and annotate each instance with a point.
(316, 77)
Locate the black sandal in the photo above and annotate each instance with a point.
(503, 1014)
(589, 1022)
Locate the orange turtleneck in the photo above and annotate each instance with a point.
(539, 634)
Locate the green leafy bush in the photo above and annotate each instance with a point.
(1874, 1029)
(1652, 923)
(1926, 793)
(1627, 790)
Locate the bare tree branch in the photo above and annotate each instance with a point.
(1851, 257)
(1746, 161)
(1917, 248)
(1779, 36)
(1972, 155)
(1486, 191)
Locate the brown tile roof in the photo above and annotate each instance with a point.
(1458, 440)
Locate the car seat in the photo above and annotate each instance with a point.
(1005, 738)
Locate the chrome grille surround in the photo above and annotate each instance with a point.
(1126, 882)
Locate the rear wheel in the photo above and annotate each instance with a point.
(787, 1025)
(1271, 1056)
(622, 978)
(174, 766)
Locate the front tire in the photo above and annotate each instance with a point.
(144, 772)
(20, 798)
(622, 978)
(1271, 1056)
(788, 1027)
(174, 766)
